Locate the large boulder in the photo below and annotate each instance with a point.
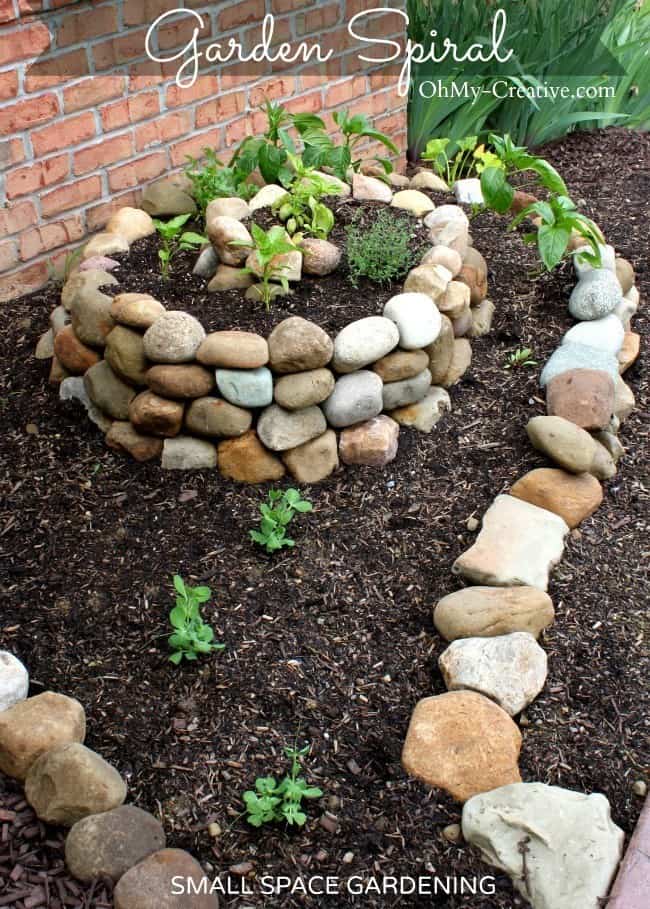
(483, 612)
(36, 725)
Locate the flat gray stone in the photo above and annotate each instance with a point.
(406, 391)
(188, 453)
(596, 295)
(356, 397)
(281, 430)
(606, 334)
(578, 356)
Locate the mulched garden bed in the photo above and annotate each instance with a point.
(332, 643)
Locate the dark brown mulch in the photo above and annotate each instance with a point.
(331, 643)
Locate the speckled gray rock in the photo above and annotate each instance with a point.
(606, 334)
(281, 429)
(108, 391)
(607, 260)
(595, 295)
(14, 680)
(188, 453)
(207, 263)
(246, 387)
(578, 356)
(173, 338)
(407, 391)
(356, 397)
(362, 342)
(417, 318)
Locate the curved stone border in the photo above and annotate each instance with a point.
(632, 885)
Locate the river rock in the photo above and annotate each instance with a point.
(105, 244)
(426, 179)
(72, 388)
(136, 310)
(400, 365)
(266, 197)
(603, 466)
(173, 338)
(413, 201)
(449, 226)
(625, 274)
(463, 743)
(125, 355)
(314, 460)
(188, 453)
(108, 391)
(362, 342)
(72, 354)
(573, 497)
(606, 334)
(319, 257)
(285, 265)
(565, 443)
(297, 345)
(442, 255)
(131, 223)
(123, 436)
(629, 352)
(165, 198)
(153, 415)
(463, 324)
(441, 352)
(484, 612)
(407, 391)
(597, 294)
(36, 725)
(371, 444)
(398, 181)
(70, 782)
(607, 260)
(303, 389)
(455, 300)
(509, 669)
(14, 680)
(229, 277)
(625, 311)
(572, 846)
(519, 543)
(83, 284)
(461, 360)
(431, 280)
(45, 347)
(572, 356)
(246, 387)
(108, 844)
(468, 191)
(281, 429)
(370, 189)
(207, 263)
(214, 417)
(224, 232)
(185, 381)
(474, 274)
(234, 350)
(151, 884)
(424, 414)
(583, 396)
(59, 318)
(482, 316)
(245, 460)
(232, 207)
(624, 401)
(91, 318)
(417, 318)
(356, 397)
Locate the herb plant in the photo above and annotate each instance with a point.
(272, 801)
(174, 239)
(276, 514)
(212, 180)
(191, 635)
(268, 152)
(301, 208)
(267, 246)
(382, 252)
(522, 357)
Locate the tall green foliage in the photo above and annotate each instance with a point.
(589, 44)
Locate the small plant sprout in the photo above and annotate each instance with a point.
(191, 635)
(271, 801)
(267, 246)
(454, 158)
(276, 514)
(520, 358)
(212, 180)
(173, 239)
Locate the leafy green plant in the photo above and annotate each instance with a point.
(174, 239)
(273, 802)
(460, 158)
(321, 151)
(276, 514)
(191, 635)
(268, 152)
(383, 251)
(212, 180)
(267, 246)
(301, 208)
(522, 357)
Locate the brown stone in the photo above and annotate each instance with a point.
(247, 461)
(402, 364)
(485, 612)
(122, 436)
(314, 460)
(441, 352)
(573, 496)
(125, 354)
(625, 274)
(228, 277)
(107, 391)
(629, 352)
(150, 884)
(304, 389)
(216, 417)
(297, 345)
(153, 415)
(32, 727)
(57, 372)
(72, 354)
(136, 310)
(463, 743)
(84, 283)
(461, 360)
(234, 350)
(70, 782)
(91, 317)
(520, 201)
(455, 300)
(373, 443)
(474, 274)
(190, 381)
(582, 396)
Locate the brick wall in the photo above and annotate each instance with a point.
(87, 119)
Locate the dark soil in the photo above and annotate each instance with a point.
(331, 643)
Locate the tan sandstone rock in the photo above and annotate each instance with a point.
(150, 884)
(315, 460)
(233, 350)
(123, 436)
(481, 612)
(36, 725)
(156, 416)
(245, 460)
(574, 497)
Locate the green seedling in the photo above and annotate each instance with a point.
(276, 514)
(520, 358)
(382, 252)
(213, 180)
(174, 239)
(267, 246)
(191, 635)
(272, 802)
(321, 151)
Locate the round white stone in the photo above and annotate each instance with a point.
(363, 342)
(417, 318)
(606, 334)
(14, 680)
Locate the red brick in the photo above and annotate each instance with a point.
(25, 41)
(76, 28)
(69, 132)
(275, 88)
(130, 110)
(92, 92)
(7, 11)
(16, 216)
(344, 92)
(50, 236)
(145, 74)
(36, 176)
(55, 70)
(8, 255)
(24, 281)
(236, 14)
(177, 32)
(225, 107)
(202, 88)
(109, 151)
(311, 103)
(28, 7)
(74, 195)
(252, 37)
(136, 172)
(147, 11)
(313, 22)
(122, 49)
(12, 151)
(8, 85)
(26, 114)
(287, 6)
(237, 130)
(240, 75)
(194, 146)
(98, 215)
(171, 126)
